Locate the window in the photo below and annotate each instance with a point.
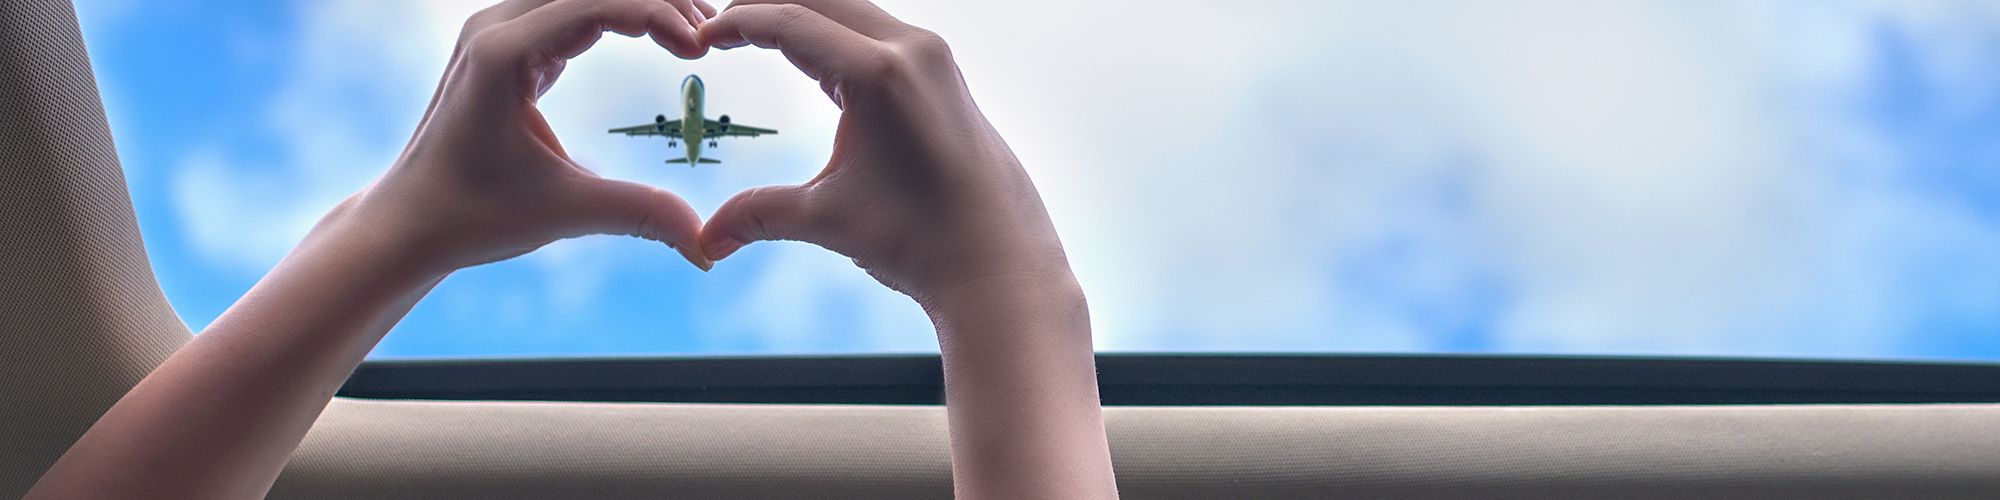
(1722, 178)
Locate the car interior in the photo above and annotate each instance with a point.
(84, 319)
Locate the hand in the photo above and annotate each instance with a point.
(920, 191)
(923, 194)
(484, 179)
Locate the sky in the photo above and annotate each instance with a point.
(1715, 178)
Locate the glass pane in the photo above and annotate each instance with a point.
(1631, 177)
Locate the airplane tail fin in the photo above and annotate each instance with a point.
(678, 160)
(706, 160)
(699, 160)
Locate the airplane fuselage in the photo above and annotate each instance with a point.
(693, 124)
(696, 130)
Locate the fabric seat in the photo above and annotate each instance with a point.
(82, 320)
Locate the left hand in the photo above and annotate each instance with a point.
(484, 179)
(920, 190)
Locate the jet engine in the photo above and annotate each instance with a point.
(660, 123)
(724, 120)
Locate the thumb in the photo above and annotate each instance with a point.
(761, 213)
(607, 206)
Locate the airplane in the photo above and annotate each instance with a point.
(692, 127)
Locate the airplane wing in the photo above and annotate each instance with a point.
(717, 129)
(669, 128)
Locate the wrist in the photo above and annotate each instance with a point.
(1039, 301)
(359, 232)
(983, 267)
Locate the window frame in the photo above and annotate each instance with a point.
(1199, 380)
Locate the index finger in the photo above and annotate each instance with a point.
(861, 16)
(568, 27)
(825, 50)
(533, 46)
(496, 13)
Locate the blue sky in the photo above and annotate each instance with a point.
(1811, 179)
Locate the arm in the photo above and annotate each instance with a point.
(482, 180)
(219, 417)
(924, 195)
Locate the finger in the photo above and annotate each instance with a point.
(606, 206)
(759, 214)
(823, 49)
(707, 10)
(689, 11)
(861, 16)
(479, 21)
(569, 27)
(496, 14)
(527, 48)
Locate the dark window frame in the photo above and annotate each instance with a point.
(1199, 379)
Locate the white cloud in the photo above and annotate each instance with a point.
(1617, 176)
(1541, 176)
(358, 83)
(217, 204)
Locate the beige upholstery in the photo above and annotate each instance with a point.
(81, 320)
(366, 449)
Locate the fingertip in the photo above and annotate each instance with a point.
(681, 41)
(691, 53)
(720, 246)
(699, 14)
(672, 30)
(709, 34)
(690, 13)
(700, 261)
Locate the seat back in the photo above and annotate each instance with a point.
(81, 317)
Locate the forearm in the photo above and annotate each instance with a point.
(220, 417)
(1021, 390)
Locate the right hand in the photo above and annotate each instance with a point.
(920, 191)
(484, 178)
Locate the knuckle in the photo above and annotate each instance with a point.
(477, 21)
(882, 65)
(644, 224)
(925, 49)
(747, 202)
(488, 46)
(912, 58)
(925, 45)
(753, 211)
(755, 195)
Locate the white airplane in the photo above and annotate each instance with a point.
(692, 127)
